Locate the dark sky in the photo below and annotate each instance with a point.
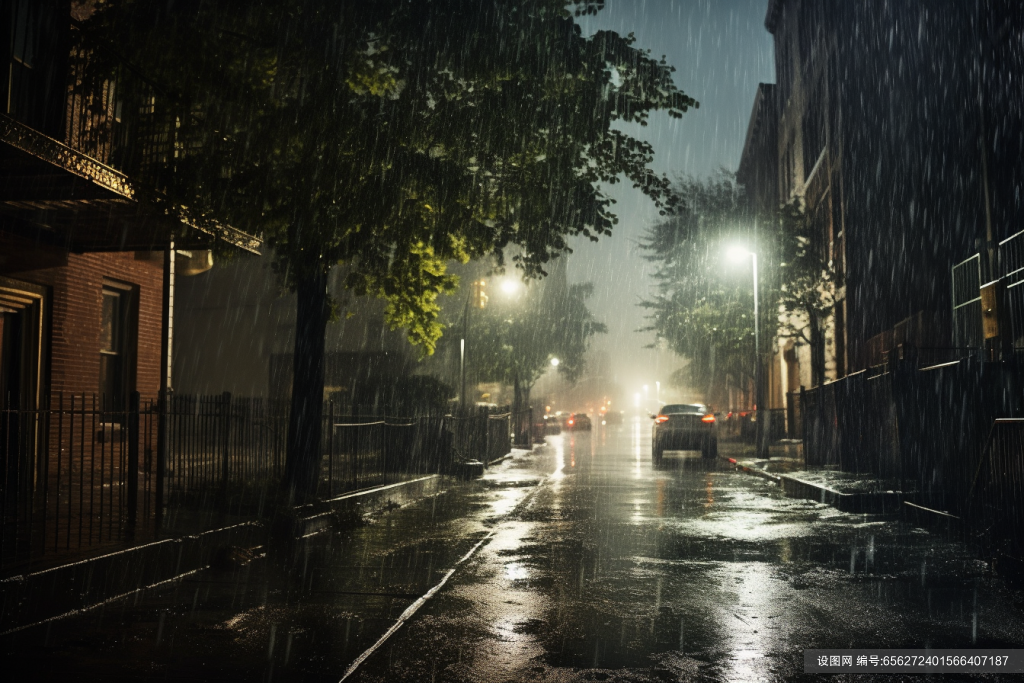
(721, 51)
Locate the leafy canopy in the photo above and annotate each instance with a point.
(515, 338)
(393, 136)
(703, 304)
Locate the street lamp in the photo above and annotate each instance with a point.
(477, 299)
(510, 286)
(555, 362)
(738, 253)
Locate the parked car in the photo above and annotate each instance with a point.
(684, 427)
(578, 422)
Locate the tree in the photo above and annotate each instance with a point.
(392, 136)
(806, 292)
(515, 340)
(703, 313)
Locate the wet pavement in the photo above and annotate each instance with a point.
(578, 562)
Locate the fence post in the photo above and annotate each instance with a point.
(487, 437)
(162, 429)
(132, 482)
(803, 423)
(330, 448)
(354, 451)
(225, 426)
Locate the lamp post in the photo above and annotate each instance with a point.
(739, 253)
(477, 299)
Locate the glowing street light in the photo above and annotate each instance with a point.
(738, 253)
(510, 286)
(555, 362)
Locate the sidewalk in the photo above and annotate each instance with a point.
(79, 585)
(856, 493)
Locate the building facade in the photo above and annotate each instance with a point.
(89, 254)
(898, 127)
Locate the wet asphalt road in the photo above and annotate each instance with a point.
(592, 566)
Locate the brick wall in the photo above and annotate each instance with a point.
(76, 308)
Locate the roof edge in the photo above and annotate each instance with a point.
(764, 99)
(771, 17)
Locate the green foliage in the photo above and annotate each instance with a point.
(393, 136)
(703, 305)
(807, 280)
(514, 339)
(806, 291)
(421, 393)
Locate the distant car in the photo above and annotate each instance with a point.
(684, 427)
(578, 422)
(552, 425)
(612, 417)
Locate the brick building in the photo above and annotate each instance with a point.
(87, 267)
(84, 288)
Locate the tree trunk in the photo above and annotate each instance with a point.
(517, 409)
(302, 468)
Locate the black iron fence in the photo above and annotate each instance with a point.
(77, 476)
(382, 451)
(221, 448)
(484, 435)
(924, 425)
(995, 500)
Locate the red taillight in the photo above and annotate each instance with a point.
(708, 419)
(661, 418)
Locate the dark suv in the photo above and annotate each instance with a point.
(684, 427)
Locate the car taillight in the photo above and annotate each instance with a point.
(661, 418)
(708, 418)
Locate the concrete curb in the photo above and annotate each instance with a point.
(513, 453)
(316, 517)
(936, 520)
(751, 470)
(40, 596)
(882, 502)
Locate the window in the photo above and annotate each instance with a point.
(23, 32)
(117, 335)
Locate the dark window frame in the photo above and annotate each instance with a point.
(121, 360)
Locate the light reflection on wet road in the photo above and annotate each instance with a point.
(694, 572)
(597, 568)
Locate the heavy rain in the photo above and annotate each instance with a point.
(512, 340)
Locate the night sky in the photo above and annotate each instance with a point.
(721, 51)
